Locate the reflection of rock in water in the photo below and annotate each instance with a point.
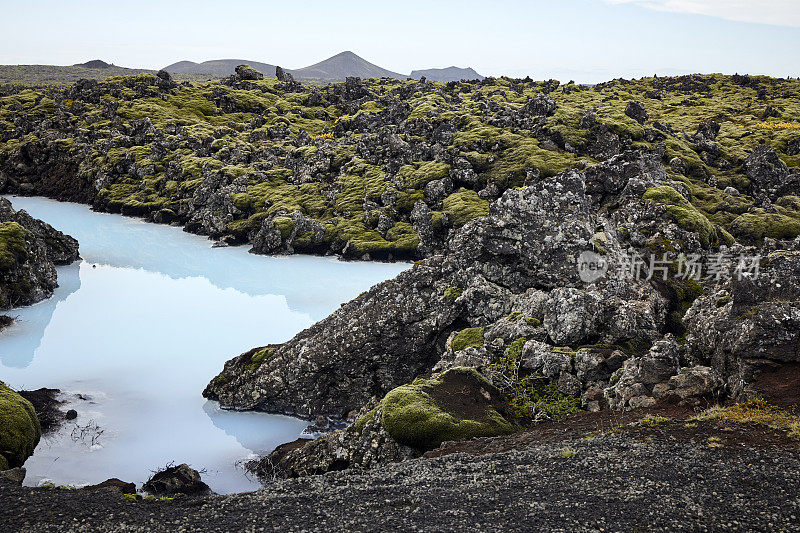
(130, 243)
(258, 432)
(36, 318)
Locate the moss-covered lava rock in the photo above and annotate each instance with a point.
(19, 428)
(29, 251)
(388, 167)
(459, 404)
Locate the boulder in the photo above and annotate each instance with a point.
(694, 384)
(29, 251)
(527, 245)
(114, 484)
(173, 480)
(747, 322)
(458, 404)
(632, 386)
(707, 130)
(283, 76)
(636, 111)
(19, 428)
(13, 475)
(246, 72)
(541, 105)
(767, 173)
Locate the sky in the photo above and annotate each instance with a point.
(584, 40)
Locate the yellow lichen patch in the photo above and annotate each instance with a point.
(778, 126)
(754, 412)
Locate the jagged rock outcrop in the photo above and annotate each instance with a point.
(748, 323)
(29, 251)
(520, 261)
(769, 175)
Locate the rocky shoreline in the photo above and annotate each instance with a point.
(636, 476)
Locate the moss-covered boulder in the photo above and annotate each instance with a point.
(19, 428)
(686, 215)
(457, 405)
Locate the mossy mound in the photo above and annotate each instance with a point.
(458, 405)
(19, 428)
(467, 338)
(683, 212)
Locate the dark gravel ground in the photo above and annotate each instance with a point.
(613, 482)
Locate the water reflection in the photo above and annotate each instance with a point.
(131, 243)
(25, 336)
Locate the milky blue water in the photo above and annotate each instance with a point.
(139, 326)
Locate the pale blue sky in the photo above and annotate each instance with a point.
(585, 40)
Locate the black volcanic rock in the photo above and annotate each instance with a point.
(283, 76)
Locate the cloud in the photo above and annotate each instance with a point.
(777, 12)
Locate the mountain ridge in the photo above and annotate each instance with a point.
(447, 74)
(335, 68)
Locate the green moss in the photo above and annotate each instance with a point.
(403, 238)
(467, 338)
(463, 206)
(360, 181)
(417, 175)
(452, 293)
(758, 224)
(285, 225)
(362, 421)
(526, 154)
(420, 415)
(683, 213)
(515, 348)
(19, 427)
(681, 295)
(262, 355)
(12, 244)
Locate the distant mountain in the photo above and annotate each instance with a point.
(447, 74)
(342, 65)
(94, 63)
(335, 68)
(218, 67)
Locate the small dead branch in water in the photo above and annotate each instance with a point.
(88, 434)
